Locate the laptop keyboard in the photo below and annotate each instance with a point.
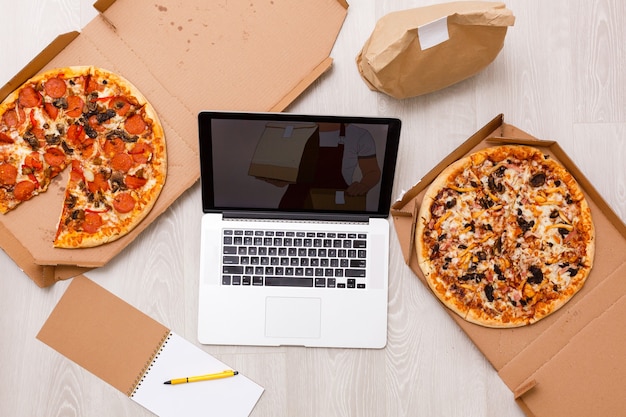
(294, 258)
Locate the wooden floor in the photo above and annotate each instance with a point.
(560, 76)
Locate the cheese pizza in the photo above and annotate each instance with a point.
(505, 236)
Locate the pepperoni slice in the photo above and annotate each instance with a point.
(51, 111)
(4, 138)
(92, 222)
(76, 174)
(141, 152)
(33, 161)
(120, 105)
(123, 203)
(114, 146)
(13, 118)
(87, 147)
(135, 124)
(134, 182)
(76, 134)
(95, 124)
(99, 183)
(74, 106)
(91, 84)
(54, 157)
(55, 87)
(29, 97)
(23, 190)
(8, 174)
(122, 162)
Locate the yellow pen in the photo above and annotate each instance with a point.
(223, 374)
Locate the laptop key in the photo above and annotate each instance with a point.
(232, 269)
(288, 282)
(230, 259)
(230, 250)
(355, 273)
(357, 263)
(320, 282)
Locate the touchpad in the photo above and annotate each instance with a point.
(292, 317)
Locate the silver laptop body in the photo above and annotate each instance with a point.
(295, 236)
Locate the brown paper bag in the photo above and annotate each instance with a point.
(286, 152)
(418, 51)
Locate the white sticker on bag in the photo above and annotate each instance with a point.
(433, 33)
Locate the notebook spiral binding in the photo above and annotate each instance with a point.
(148, 365)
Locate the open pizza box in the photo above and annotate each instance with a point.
(570, 363)
(184, 57)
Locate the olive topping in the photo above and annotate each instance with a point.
(572, 272)
(451, 203)
(472, 276)
(489, 292)
(537, 275)
(493, 187)
(524, 224)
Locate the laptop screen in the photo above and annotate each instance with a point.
(282, 162)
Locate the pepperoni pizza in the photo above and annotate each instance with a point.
(101, 127)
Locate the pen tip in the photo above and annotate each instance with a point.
(235, 372)
(168, 382)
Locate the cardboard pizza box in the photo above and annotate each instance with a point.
(184, 57)
(571, 362)
(286, 152)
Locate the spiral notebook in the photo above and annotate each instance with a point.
(136, 354)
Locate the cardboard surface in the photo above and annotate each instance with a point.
(198, 56)
(569, 363)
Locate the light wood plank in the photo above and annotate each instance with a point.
(560, 76)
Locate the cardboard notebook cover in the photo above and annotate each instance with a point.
(571, 362)
(136, 354)
(184, 57)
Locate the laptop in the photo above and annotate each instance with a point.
(295, 230)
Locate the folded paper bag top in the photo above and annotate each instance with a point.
(418, 51)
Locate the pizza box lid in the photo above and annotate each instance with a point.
(569, 363)
(199, 55)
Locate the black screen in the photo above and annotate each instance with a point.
(297, 163)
